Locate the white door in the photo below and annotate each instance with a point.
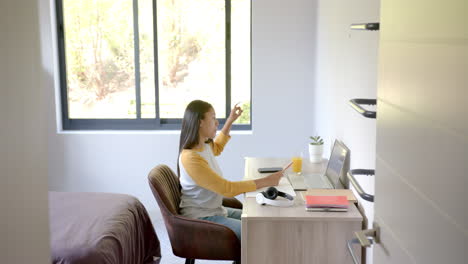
(421, 193)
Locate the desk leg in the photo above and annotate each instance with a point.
(244, 236)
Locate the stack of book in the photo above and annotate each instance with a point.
(326, 203)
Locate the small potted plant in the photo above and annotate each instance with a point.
(316, 149)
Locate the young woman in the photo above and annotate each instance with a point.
(203, 186)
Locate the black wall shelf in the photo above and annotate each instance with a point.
(356, 104)
(357, 186)
(366, 26)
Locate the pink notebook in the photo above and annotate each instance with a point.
(313, 201)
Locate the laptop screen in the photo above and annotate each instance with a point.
(336, 163)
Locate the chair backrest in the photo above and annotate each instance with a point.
(190, 238)
(166, 188)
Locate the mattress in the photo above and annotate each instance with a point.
(100, 228)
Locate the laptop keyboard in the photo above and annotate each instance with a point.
(317, 181)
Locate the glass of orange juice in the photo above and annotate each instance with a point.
(297, 164)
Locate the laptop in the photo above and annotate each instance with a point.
(331, 178)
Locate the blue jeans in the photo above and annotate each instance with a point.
(232, 220)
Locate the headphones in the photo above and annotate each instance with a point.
(269, 196)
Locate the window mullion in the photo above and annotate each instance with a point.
(228, 57)
(136, 40)
(156, 67)
(62, 68)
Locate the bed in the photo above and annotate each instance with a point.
(100, 228)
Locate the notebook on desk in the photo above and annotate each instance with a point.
(331, 178)
(330, 192)
(326, 203)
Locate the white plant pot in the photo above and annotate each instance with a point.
(315, 153)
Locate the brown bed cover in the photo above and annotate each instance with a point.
(100, 228)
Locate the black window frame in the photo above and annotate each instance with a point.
(142, 123)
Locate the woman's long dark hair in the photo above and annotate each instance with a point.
(189, 134)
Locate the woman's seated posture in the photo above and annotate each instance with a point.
(203, 185)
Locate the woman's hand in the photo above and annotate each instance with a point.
(275, 178)
(236, 112)
(270, 180)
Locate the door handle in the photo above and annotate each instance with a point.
(365, 238)
(363, 235)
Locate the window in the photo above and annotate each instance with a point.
(136, 64)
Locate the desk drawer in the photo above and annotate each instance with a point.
(297, 242)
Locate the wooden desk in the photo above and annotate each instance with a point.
(293, 235)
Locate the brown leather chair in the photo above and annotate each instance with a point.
(192, 238)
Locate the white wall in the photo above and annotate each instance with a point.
(283, 51)
(347, 68)
(23, 137)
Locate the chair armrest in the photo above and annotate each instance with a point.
(232, 202)
(200, 239)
